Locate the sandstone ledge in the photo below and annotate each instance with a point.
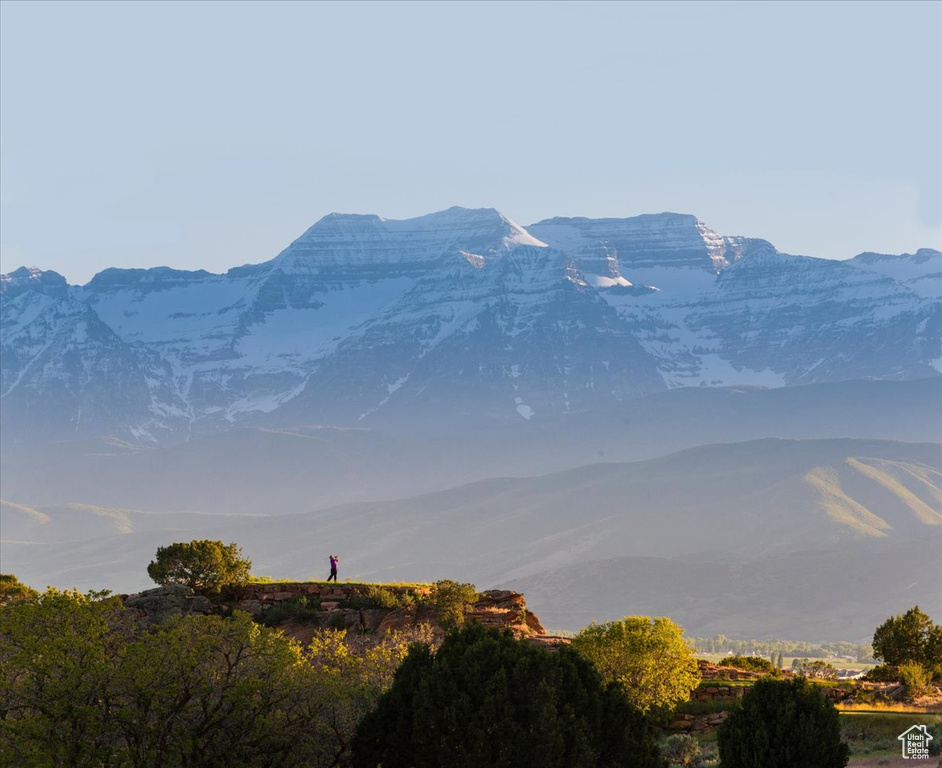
(346, 606)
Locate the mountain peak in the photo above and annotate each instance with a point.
(919, 257)
(33, 279)
(919, 271)
(642, 247)
(343, 242)
(450, 220)
(153, 277)
(665, 218)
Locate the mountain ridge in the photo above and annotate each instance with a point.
(462, 311)
(701, 525)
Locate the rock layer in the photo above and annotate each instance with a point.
(345, 606)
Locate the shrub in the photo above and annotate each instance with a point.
(751, 663)
(485, 699)
(377, 596)
(383, 597)
(783, 724)
(681, 749)
(302, 608)
(915, 679)
(453, 599)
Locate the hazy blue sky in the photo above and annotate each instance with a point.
(211, 135)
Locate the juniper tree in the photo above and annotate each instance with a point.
(485, 698)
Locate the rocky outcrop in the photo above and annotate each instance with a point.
(351, 606)
(504, 609)
(344, 606)
(160, 604)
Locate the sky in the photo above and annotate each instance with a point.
(210, 135)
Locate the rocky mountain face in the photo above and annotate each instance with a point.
(920, 271)
(460, 316)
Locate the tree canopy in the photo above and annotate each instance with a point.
(83, 682)
(485, 698)
(202, 565)
(910, 638)
(814, 669)
(648, 657)
(783, 724)
(752, 663)
(12, 590)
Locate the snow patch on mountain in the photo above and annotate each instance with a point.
(921, 272)
(361, 316)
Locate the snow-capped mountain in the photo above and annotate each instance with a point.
(920, 271)
(460, 314)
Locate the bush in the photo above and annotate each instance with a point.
(783, 724)
(915, 679)
(377, 596)
(201, 565)
(386, 598)
(682, 749)
(301, 608)
(751, 663)
(485, 699)
(453, 599)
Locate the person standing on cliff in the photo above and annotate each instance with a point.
(334, 562)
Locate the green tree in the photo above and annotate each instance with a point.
(783, 724)
(882, 673)
(12, 590)
(486, 699)
(356, 670)
(911, 637)
(815, 670)
(213, 692)
(751, 663)
(56, 699)
(453, 599)
(202, 565)
(648, 657)
(84, 683)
